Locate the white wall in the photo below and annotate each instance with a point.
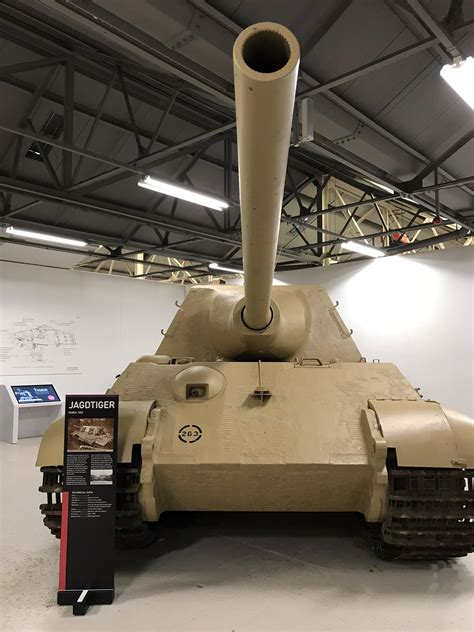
(119, 318)
(415, 311)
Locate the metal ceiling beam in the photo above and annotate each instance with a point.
(95, 123)
(445, 185)
(398, 196)
(70, 199)
(91, 113)
(109, 240)
(417, 181)
(432, 26)
(424, 243)
(161, 120)
(17, 27)
(130, 112)
(379, 63)
(382, 233)
(114, 242)
(97, 256)
(355, 163)
(113, 175)
(333, 150)
(294, 160)
(350, 218)
(137, 167)
(114, 31)
(371, 123)
(28, 112)
(154, 159)
(414, 246)
(44, 157)
(158, 250)
(121, 178)
(318, 34)
(89, 204)
(68, 118)
(230, 25)
(26, 66)
(69, 148)
(370, 171)
(414, 27)
(349, 205)
(165, 155)
(173, 269)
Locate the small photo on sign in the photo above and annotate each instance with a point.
(101, 477)
(90, 435)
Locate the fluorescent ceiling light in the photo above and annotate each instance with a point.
(29, 234)
(183, 193)
(381, 186)
(217, 266)
(460, 77)
(363, 249)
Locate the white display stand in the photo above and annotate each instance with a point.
(18, 421)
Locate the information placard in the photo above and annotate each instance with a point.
(86, 569)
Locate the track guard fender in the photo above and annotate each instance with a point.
(375, 498)
(422, 434)
(463, 431)
(133, 417)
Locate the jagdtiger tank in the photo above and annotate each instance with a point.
(258, 398)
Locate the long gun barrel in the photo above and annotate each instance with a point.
(266, 60)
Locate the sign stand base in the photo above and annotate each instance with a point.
(80, 600)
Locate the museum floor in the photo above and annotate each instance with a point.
(247, 576)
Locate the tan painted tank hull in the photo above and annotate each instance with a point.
(321, 431)
(319, 443)
(309, 447)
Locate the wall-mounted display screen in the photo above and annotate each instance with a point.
(35, 394)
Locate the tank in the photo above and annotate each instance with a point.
(92, 436)
(258, 399)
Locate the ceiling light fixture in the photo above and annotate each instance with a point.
(29, 234)
(217, 266)
(381, 186)
(363, 249)
(460, 77)
(183, 193)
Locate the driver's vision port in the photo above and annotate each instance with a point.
(197, 391)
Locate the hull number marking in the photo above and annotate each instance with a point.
(189, 434)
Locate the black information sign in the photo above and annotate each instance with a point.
(86, 566)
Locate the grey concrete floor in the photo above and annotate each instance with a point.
(245, 575)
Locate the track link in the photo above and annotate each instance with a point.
(130, 530)
(430, 515)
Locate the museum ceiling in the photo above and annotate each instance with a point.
(96, 95)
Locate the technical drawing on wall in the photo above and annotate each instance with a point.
(39, 346)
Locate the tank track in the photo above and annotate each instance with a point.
(130, 530)
(430, 515)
